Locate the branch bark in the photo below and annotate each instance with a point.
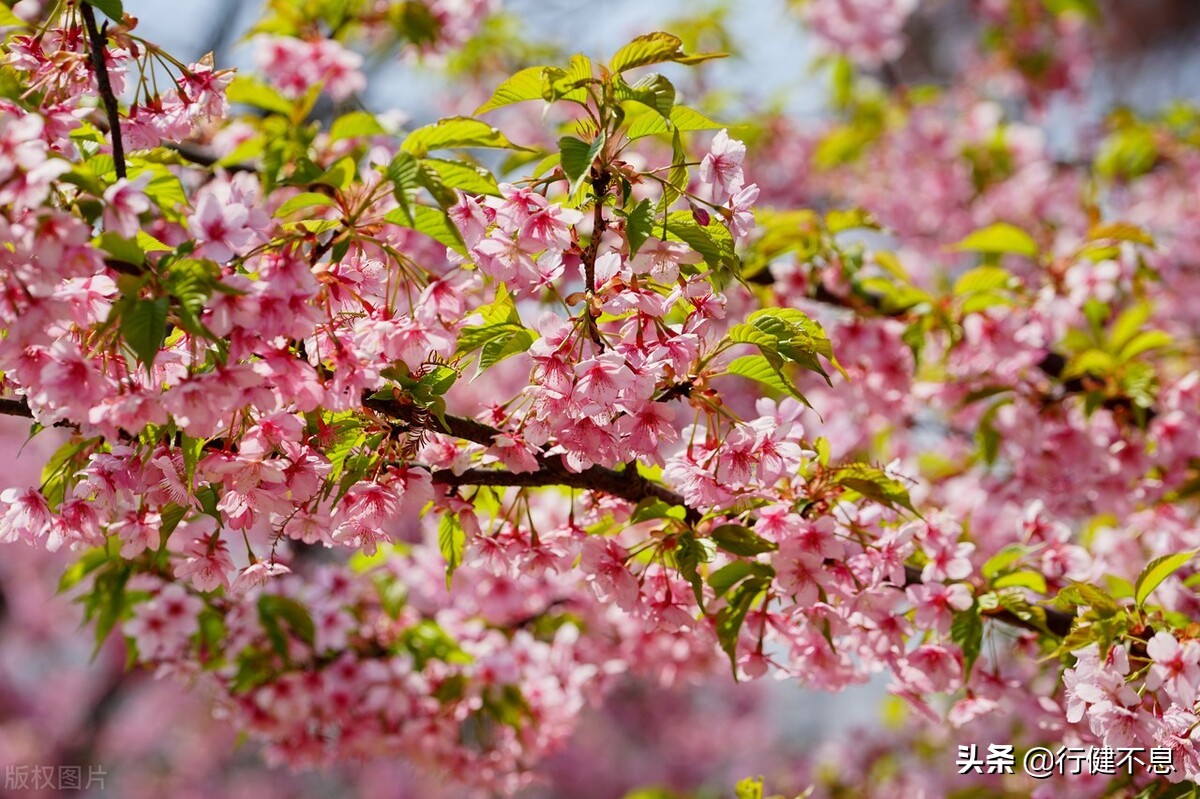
(96, 37)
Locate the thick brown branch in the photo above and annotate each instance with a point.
(12, 407)
(20, 408)
(599, 225)
(626, 485)
(107, 96)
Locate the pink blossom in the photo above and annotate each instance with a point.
(124, 202)
(721, 168)
(161, 626)
(603, 561)
(207, 564)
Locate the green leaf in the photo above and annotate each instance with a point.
(1156, 571)
(524, 85)
(501, 347)
(437, 381)
(653, 91)
(739, 540)
(1000, 239)
(638, 225)
(713, 242)
(405, 173)
(1127, 325)
(252, 91)
(839, 220)
(1144, 342)
(1034, 581)
(1091, 596)
(164, 188)
(999, 563)
(113, 9)
(1121, 231)
(340, 175)
(472, 338)
(451, 541)
(10, 20)
(982, 278)
(106, 602)
(757, 367)
(461, 175)
(578, 157)
(191, 282)
(121, 248)
(730, 617)
(172, 515)
(87, 563)
(729, 575)
(749, 788)
(654, 508)
(689, 553)
(455, 133)
(143, 326)
(570, 83)
(354, 124)
(274, 609)
(682, 119)
(305, 199)
(150, 244)
(746, 333)
(347, 435)
(967, 631)
(655, 48)
(433, 222)
(799, 338)
(60, 467)
(874, 483)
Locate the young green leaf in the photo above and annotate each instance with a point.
(730, 617)
(638, 225)
(757, 367)
(1000, 239)
(143, 326)
(251, 91)
(655, 48)
(355, 124)
(455, 133)
(874, 483)
(578, 157)
(1156, 571)
(304, 200)
(113, 9)
(451, 541)
(461, 175)
(682, 118)
(433, 222)
(524, 85)
(967, 631)
(739, 540)
(653, 91)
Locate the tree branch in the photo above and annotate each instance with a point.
(107, 96)
(629, 486)
(203, 157)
